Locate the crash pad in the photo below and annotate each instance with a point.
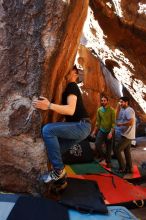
(114, 213)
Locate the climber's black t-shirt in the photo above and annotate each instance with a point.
(80, 111)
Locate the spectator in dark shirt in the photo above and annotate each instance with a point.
(64, 134)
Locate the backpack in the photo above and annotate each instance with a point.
(79, 153)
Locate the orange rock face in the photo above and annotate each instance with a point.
(39, 42)
(118, 32)
(96, 81)
(38, 47)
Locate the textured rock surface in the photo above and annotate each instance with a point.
(38, 43)
(115, 32)
(97, 80)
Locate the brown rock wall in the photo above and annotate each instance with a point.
(124, 29)
(39, 40)
(64, 56)
(38, 45)
(97, 80)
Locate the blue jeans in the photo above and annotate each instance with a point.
(60, 136)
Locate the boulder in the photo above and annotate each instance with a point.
(39, 41)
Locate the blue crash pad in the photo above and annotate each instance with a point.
(114, 213)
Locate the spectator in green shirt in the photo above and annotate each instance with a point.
(104, 129)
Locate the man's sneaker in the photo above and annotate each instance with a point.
(53, 175)
(108, 165)
(120, 171)
(99, 160)
(128, 170)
